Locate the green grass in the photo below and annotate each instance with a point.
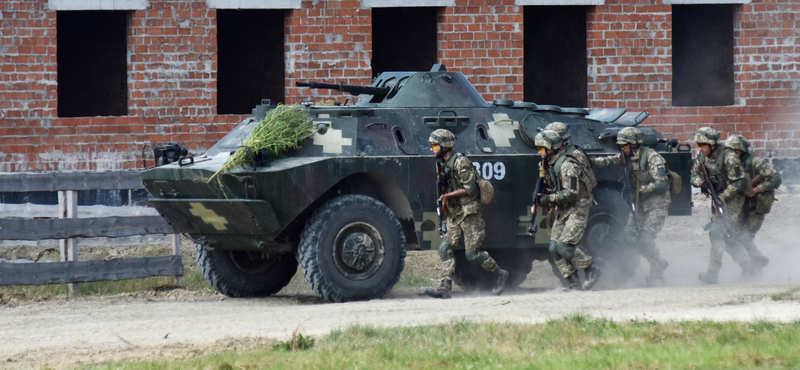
(575, 342)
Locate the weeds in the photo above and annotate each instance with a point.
(297, 343)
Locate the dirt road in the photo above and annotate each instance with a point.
(181, 324)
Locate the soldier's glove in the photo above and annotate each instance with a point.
(544, 200)
(704, 188)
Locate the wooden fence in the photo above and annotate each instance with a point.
(67, 226)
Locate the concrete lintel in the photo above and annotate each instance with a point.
(254, 4)
(558, 2)
(97, 4)
(366, 4)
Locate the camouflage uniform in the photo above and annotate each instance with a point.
(652, 203)
(728, 178)
(464, 217)
(755, 206)
(570, 194)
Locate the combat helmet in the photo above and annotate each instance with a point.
(629, 135)
(548, 139)
(443, 138)
(706, 135)
(737, 142)
(561, 128)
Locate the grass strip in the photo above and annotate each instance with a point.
(573, 342)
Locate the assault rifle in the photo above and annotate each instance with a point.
(536, 191)
(352, 89)
(715, 201)
(440, 206)
(630, 194)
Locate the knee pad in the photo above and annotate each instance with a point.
(475, 256)
(553, 250)
(566, 250)
(445, 251)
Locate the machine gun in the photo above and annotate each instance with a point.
(352, 89)
(715, 201)
(440, 206)
(631, 198)
(536, 191)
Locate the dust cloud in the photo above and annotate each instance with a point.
(685, 245)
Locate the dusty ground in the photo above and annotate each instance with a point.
(180, 324)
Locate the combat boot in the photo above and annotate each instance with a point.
(500, 277)
(708, 278)
(592, 273)
(443, 291)
(573, 282)
(656, 277)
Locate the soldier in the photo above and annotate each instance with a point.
(764, 181)
(648, 176)
(571, 196)
(722, 168)
(464, 218)
(572, 150)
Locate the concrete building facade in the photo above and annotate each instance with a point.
(84, 85)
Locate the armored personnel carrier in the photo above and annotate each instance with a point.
(360, 193)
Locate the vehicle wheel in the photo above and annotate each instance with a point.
(352, 248)
(245, 274)
(602, 238)
(471, 277)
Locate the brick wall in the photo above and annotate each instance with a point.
(629, 49)
(327, 40)
(483, 40)
(172, 73)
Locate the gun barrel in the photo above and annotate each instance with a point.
(352, 89)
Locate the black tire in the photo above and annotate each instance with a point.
(471, 276)
(352, 248)
(602, 239)
(245, 274)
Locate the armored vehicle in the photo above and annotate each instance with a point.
(356, 196)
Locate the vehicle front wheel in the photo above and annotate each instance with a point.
(352, 248)
(245, 274)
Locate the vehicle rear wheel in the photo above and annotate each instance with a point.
(602, 238)
(245, 274)
(352, 248)
(471, 277)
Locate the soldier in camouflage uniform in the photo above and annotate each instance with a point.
(729, 179)
(464, 218)
(760, 195)
(572, 150)
(648, 176)
(570, 194)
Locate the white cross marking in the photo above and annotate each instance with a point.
(502, 130)
(332, 141)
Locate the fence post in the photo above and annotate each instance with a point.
(68, 208)
(176, 250)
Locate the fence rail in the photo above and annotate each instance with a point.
(66, 226)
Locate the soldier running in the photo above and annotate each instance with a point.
(463, 209)
(647, 172)
(763, 182)
(570, 194)
(722, 168)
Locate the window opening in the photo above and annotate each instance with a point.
(251, 61)
(702, 55)
(555, 55)
(92, 63)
